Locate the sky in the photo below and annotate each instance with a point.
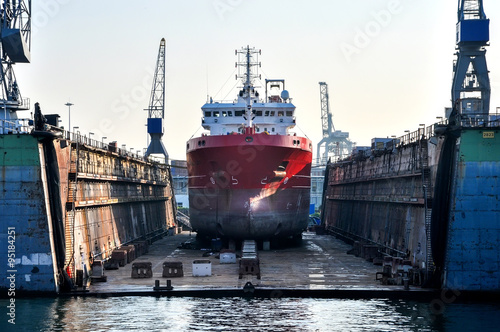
(388, 63)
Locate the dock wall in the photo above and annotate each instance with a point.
(70, 203)
(24, 208)
(384, 198)
(472, 253)
(433, 201)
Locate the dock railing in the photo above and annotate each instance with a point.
(18, 126)
(490, 120)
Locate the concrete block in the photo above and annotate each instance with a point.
(227, 258)
(130, 252)
(97, 268)
(120, 256)
(172, 270)
(142, 270)
(249, 266)
(202, 268)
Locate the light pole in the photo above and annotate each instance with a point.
(69, 114)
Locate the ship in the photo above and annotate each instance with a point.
(425, 205)
(249, 177)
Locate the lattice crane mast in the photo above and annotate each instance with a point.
(471, 83)
(15, 35)
(156, 109)
(334, 142)
(326, 116)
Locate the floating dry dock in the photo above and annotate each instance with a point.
(430, 196)
(67, 200)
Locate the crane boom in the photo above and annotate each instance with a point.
(334, 142)
(157, 101)
(326, 116)
(156, 109)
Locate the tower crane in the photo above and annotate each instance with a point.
(156, 109)
(471, 83)
(15, 35)
(334, 142)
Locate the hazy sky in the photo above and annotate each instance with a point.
(388, 63)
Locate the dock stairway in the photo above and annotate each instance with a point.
(183, 219)
(428, 193)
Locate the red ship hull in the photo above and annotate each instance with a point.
(254, 186)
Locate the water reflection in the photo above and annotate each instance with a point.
(237, 314)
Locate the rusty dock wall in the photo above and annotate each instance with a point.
(384, 198)
(431, 198)
(71, 200)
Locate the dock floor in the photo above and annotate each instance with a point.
(321, 262)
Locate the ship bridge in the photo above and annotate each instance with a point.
(275, 114)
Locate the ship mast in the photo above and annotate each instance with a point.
(250, 56)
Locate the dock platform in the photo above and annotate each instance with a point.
(319, 267)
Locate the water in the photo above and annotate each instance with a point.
(238, 314)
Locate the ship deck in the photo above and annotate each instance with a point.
(319, 267)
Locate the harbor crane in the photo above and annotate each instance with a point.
(335, 143)
(471, 83)
(15, 35)
(156, 109)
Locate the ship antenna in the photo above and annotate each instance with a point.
(250, 60)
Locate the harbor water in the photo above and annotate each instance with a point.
(241, 314)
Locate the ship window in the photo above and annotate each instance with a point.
(224, 114)
(265, 129)
(258, 129)
(239, 113)
(272, 113)
(229, 113)
(267, 113)
(216, 113)
(281, 113)
(289, 113)
(272, 129)
(208, 114)
(259, 113)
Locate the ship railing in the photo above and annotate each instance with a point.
(18, 126)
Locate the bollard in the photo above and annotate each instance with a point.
(406, 283)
